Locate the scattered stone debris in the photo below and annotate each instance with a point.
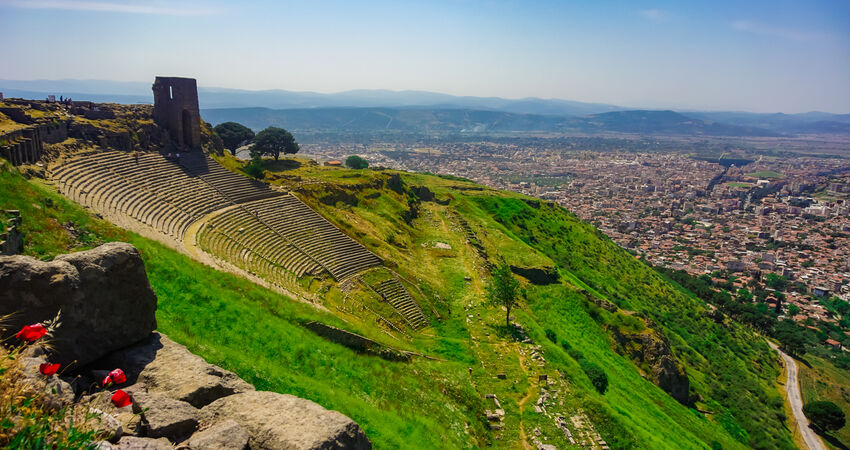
(496, 417)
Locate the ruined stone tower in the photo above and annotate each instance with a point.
(175, 108)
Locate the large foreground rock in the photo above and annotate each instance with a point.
(279, 421)
(103, 293)
(165, 417)
(139, 443)
(161, 366)
(227, 434)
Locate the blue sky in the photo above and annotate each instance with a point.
(768, 56)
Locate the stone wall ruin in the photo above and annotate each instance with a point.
(175, 108)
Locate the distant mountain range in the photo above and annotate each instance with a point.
(420, 111)
(428, 120)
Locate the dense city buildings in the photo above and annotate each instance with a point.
(774, 227)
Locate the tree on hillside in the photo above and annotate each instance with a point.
(503, 289)
(825, 415)
(776, 281)
(233, 135)
(791, 336)
(274, 141)
(356, 162)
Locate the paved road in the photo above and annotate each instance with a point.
(792, 388)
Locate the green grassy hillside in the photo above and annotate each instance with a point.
(257, 334)
(441, 247)
(731, 370)
(821, 380)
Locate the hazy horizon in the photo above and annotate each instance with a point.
(787, 56)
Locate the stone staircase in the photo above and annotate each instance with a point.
(394, 293)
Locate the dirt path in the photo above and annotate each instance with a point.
(528, 393)
(792, 390)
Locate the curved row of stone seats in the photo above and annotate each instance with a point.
(396, 295)
(153, 189)
(233, 250)
(89, 180)
(315, 236)
(237, 188)
(170, 183)
(250, 233)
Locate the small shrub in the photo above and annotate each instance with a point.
(552, 336)
(255, 168)
(597, 376)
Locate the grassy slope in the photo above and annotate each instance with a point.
(820, 380)
(427, 403)
(254, 332)
(728, 367)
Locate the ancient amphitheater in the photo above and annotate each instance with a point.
(263, 231)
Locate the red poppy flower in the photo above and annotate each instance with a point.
(121, 399)
(117, 376)
(32, 332)
(48, 369)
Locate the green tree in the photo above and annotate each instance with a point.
(745, 295)
(274, 141)
(233, 135)
(825, 415)
(793, 310)
(503, 289)
(776, 282)
(356, 162)
(791, 336)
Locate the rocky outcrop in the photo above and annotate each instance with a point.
(295, 424)
(161, 366)
(423, 193)
(356, 342)
(176, 397)
(226, 434)
(103, 294)
(537, 275)
(651, 352)
(165, 417)
(139, 443)
(11, 240)
(57, 392)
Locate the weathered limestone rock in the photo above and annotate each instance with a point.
(165, 417)
(140, 443)
(652, 354)
(117, 421)
(161, 366)
(103, 293)
(57, 392)
(108, 424)
(280, 421)
(227, 434)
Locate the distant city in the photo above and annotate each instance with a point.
(738, 222)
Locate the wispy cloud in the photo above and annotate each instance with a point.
(655, 15)
(136, 7)
(754, 27)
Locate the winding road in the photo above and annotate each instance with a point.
(792, 388)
